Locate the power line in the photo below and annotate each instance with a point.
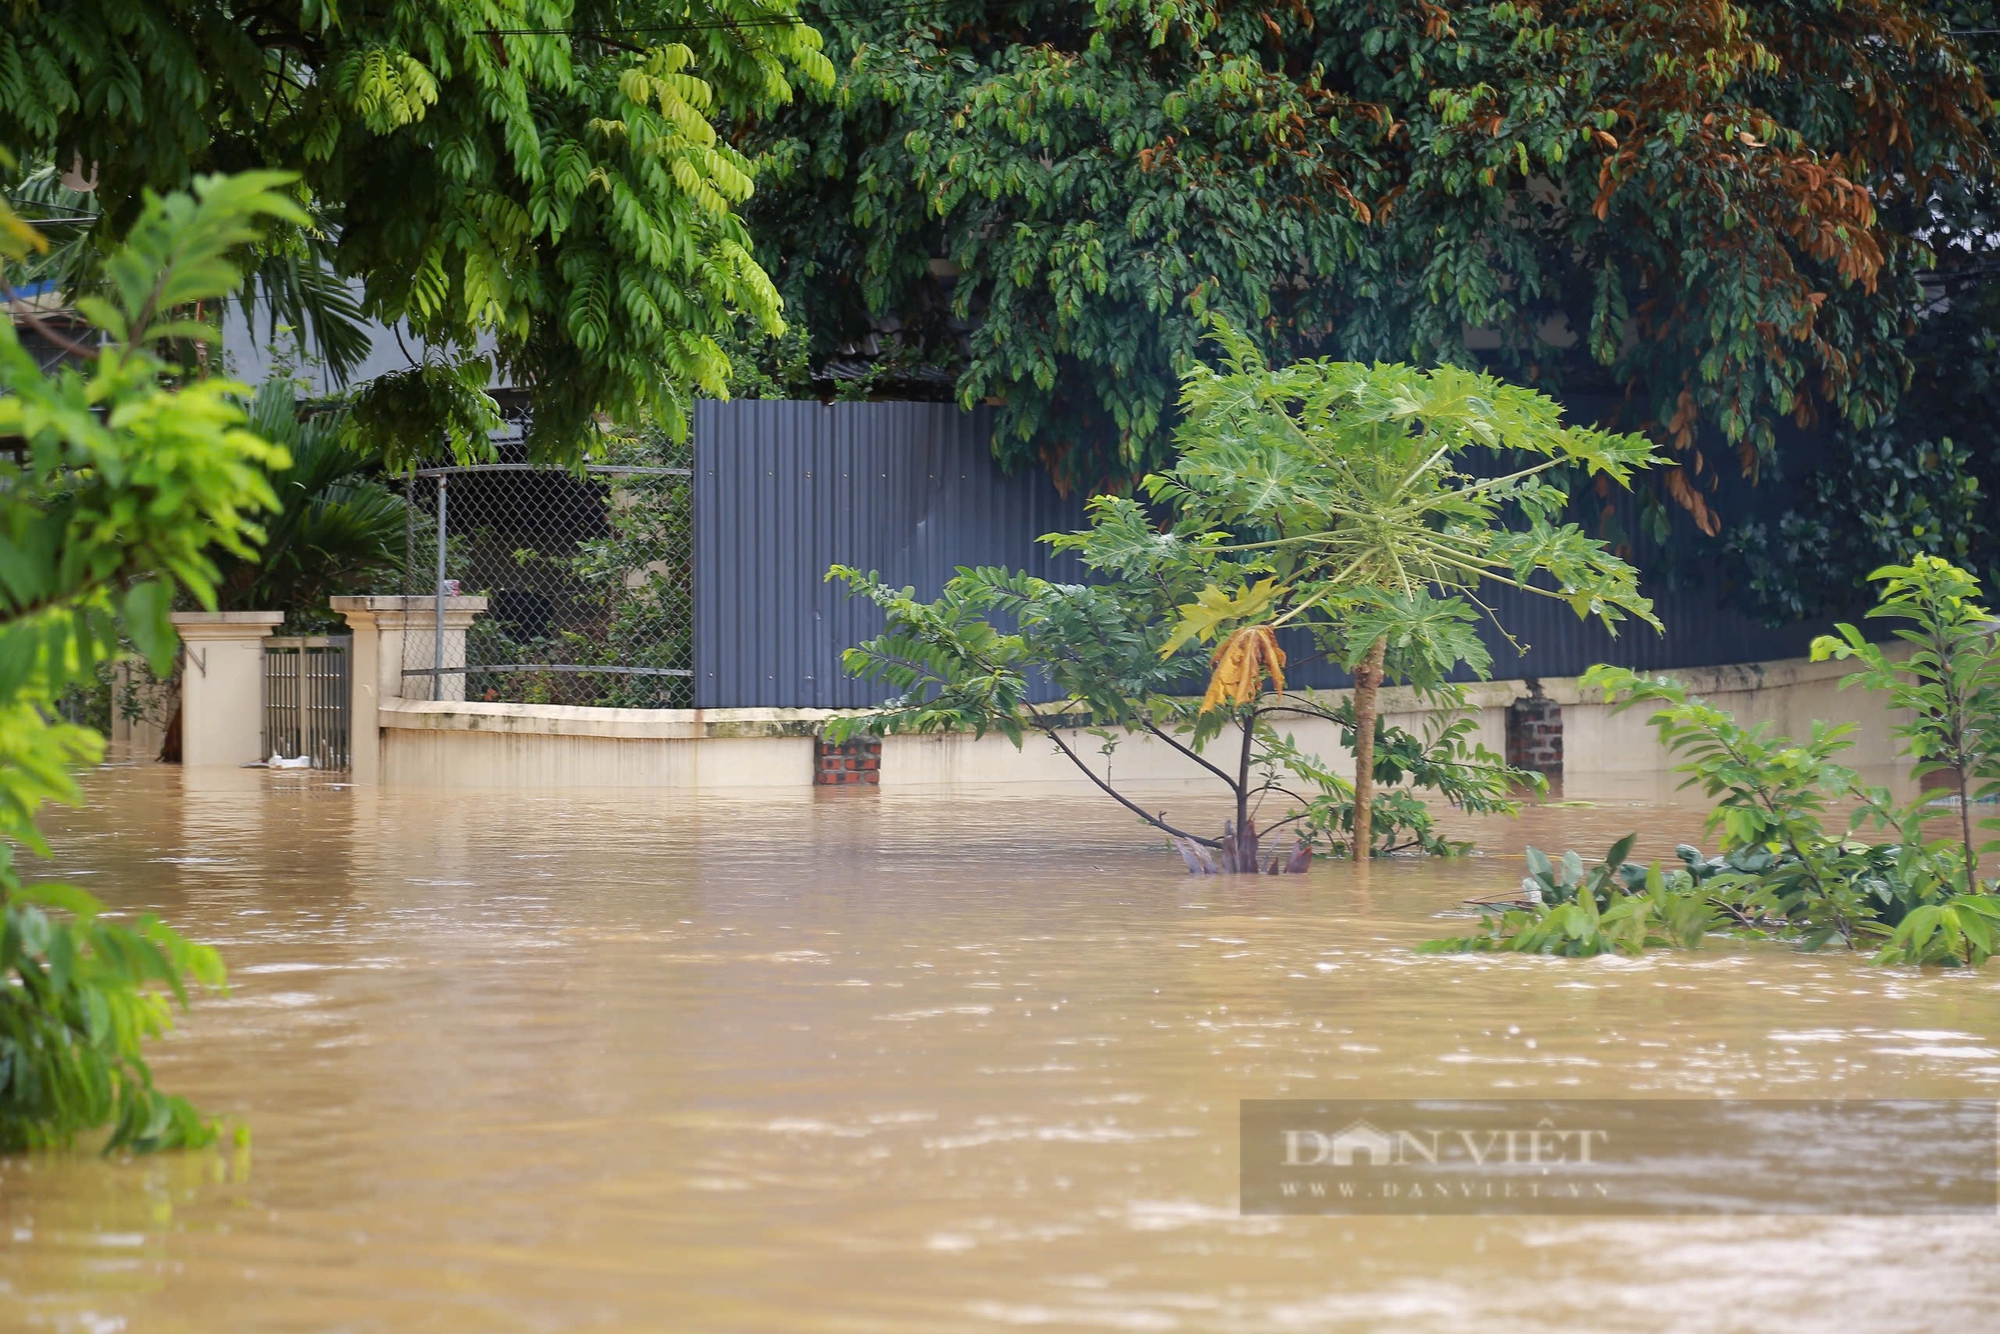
(769, 21)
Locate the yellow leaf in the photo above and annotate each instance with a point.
(1203, 617)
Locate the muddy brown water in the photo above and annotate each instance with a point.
(865, 1062)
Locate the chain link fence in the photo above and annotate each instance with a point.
(589, 581)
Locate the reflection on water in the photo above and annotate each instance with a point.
(870, 1062)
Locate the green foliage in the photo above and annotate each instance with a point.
(125, 485)
(336, 528)
(1766, 789)
(1355, 512)
(1957, 932)
(766, 366)
(86, 996)
(1446, 762)
(404, 417)
(1614, 908)
(1354, 487)
(1882, 498)
(1947, 683)
(1330, 499)
(1718, 214)
(1916, 899)
(956, 669)
(1921, 480)
(534, 175)
(1784, 872)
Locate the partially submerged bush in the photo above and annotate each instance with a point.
(83, 997)
(1614, 908)
(1782, 874)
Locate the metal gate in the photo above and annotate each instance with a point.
(306, 698)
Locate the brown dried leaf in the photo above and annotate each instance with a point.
(1240, 664)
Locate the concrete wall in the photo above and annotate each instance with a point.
(465, 745)
(930, 761)
(1788, 695)
(456, 744)
(453, 759)
(387, 630)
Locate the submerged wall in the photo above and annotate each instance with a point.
(459, 745)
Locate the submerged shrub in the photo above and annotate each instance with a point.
(1614, 908)
(1913, 899)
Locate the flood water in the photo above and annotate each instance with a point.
(885, 1063)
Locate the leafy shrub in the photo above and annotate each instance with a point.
(1609, 910)
(125, 482)
(1913, 898)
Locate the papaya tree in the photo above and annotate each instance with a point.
(1354, 509)
(1352, 488)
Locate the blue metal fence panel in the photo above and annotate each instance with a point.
(1553, 642)
(785, 489)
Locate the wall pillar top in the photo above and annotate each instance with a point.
(226, 624)
(396, 612)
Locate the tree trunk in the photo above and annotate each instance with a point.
(1965, 826)
(170, 743)
(1246, 833)
(1367, 681)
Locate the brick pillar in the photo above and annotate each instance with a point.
(858, 761)
(1535, 732)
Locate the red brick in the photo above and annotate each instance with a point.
(848, 763)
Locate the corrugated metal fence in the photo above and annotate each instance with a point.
(785, 489)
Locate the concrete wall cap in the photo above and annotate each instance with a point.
(580, 720)
(226, 624)
(408, 613)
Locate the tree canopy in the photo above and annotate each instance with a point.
(1707, 221)
(539, 174)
